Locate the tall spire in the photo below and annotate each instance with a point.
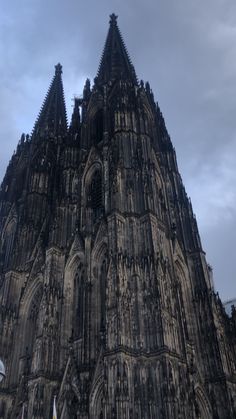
(115, 62)
(52, 118)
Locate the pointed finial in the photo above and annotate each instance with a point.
(113, 19)
(87, 84)
(58, 69)
(86, 92)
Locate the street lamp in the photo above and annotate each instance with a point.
(2, 371)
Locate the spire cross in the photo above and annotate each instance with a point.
(113, 19)
(58, 69)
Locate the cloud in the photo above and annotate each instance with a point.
(214, 193)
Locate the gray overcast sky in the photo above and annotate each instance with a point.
(186, 49)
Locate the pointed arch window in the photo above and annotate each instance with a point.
(95, 196)
(31, 324)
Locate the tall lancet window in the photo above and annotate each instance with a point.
(103, 293)
(98, 127)
(95, 198)
(8, 240)
(79, 329)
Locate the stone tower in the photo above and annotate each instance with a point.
(106, 299)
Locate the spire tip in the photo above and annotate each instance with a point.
(113, 19)
(58, 69)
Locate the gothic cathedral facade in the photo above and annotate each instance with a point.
(106, 299)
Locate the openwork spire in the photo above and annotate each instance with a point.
(52, 118)
(115, 62)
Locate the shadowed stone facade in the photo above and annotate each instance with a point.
(106, 299)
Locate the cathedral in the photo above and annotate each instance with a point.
(107, 304)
